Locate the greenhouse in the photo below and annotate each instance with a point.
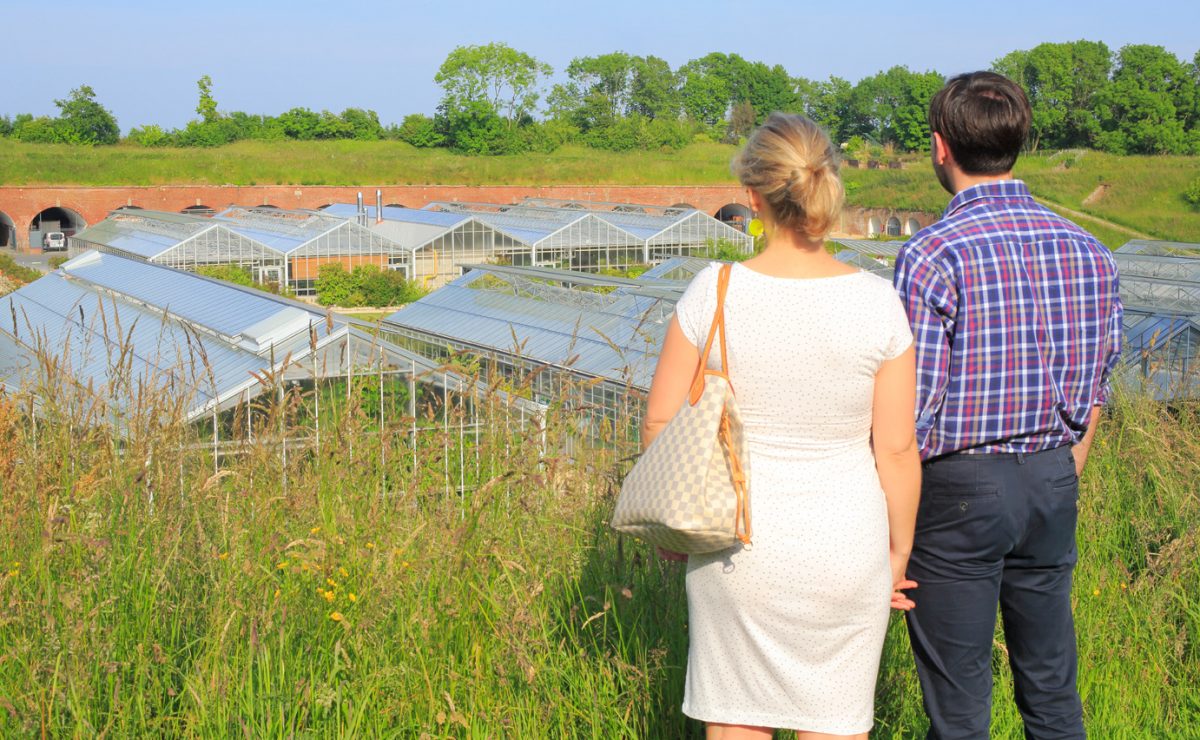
(590, 341)
(123, 337)
(439, 242)
(307, 240)
(1163, 248)
(178, 240)
(592, 240)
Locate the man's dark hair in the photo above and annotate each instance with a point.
(984, 118)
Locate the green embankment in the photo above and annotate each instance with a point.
(1142, 194)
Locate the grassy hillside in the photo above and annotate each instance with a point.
(359, 591)
(1142, 194)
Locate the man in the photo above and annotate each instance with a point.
(1017, 324)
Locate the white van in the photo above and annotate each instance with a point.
(54, 241)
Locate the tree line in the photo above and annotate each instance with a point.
(1141, 99)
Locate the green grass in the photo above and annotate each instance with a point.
(352, 163)
(147, 591)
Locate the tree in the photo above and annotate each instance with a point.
(495, 74)
(207, 107)
(84, 121)
(654, 89)
(705, 88)
(1061, 81)
(300, 123)
(741, 120)
(828, 103)
(1144, 109)
(363, 124)
(892, 107)
(602, 83)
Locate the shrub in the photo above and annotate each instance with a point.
(17, 272)
(1192, 193)
(229, 273)
(149, 135)
(419, 130)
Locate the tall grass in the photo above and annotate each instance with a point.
(357, 591)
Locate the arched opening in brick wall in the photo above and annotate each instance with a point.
(688, 206)
(911, 226)
(873, 226)
(198, 210)
(893, 226)
(8, 231)
(128, 207)
(51, 220)
(734, 214)
(267, 206)
(394, 205)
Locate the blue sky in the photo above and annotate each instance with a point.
(143, 59)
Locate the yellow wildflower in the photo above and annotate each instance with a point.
(405, 564)
(331, 582)
(1124, 586)
(314, 530)
(328, 596)
(352, 597)
(277, 593)
(370, 545)
(343, 573)
(282, 564)
(335, 616)
(223, 556)
(1096, 592)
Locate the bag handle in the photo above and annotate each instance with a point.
(718, 325)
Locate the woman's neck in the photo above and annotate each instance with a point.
(789, 254)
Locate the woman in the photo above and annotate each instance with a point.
(788, 633)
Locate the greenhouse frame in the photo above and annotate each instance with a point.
(307, 240)
(118, 331)
(439, 242)
(586, 340)
(177, 240)
(593, 240)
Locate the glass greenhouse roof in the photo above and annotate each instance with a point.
(522, 313)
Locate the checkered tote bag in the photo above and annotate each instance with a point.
(688, 492)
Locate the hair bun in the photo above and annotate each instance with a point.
(790, 162)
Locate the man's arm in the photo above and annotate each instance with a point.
(932, 304)
(1084, 445)
(1115, 334)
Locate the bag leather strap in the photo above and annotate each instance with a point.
(718, 326)
(741, 526)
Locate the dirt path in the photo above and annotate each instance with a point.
(1089, 217)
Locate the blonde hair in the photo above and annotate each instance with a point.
(791, 163)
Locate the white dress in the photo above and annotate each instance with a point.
(788, 633)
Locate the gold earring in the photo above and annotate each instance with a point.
(755, 228)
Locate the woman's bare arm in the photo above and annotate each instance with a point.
(894, 439)
(672, 379)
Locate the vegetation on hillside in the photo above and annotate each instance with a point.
(455, 580)
(1141, 99)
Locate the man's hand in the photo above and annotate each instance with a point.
(678, 557)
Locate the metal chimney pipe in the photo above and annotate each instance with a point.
(378, 206)
(362, 214)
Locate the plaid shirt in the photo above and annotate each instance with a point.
(1017, 324)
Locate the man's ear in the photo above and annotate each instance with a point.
(941, 152)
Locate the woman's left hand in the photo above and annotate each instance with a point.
(901, 583)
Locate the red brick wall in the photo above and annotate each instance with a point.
(22, 204)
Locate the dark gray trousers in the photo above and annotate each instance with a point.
(996, 529)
